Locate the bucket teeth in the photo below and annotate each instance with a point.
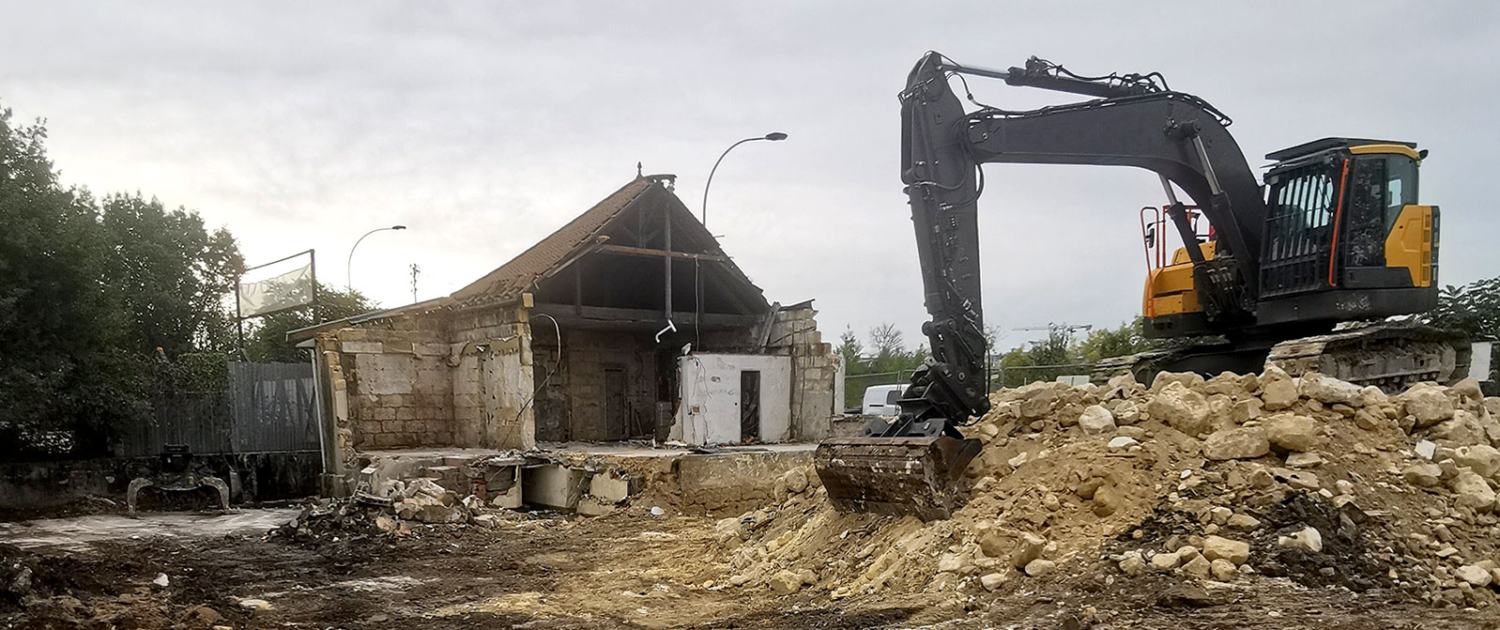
(896, 476)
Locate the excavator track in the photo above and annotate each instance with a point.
(1391, 356)
(895, 476)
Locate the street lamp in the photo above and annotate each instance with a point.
(774, 136)
(349, 267)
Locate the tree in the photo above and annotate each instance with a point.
(172, 275)
(1473, 309)
(267, 338)
(850, 349)
(1107, 343)
(62, 372)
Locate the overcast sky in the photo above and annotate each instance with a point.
(485, 126)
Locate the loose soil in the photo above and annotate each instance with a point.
(625, 571)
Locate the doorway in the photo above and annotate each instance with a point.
(615, 421)
(750, 405)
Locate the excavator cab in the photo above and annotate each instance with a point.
(1345, 238)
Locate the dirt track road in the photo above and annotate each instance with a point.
(548, 571)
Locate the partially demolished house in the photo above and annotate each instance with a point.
(630, 322)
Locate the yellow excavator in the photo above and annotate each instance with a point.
(1298, 272)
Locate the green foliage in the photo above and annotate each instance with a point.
(266, 341)
(172, 275)
(1060, 353)
(1474, 309)
(887, 360)
(88, 291)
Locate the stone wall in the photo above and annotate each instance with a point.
(395, 381)
(587, 354)
(492, 380)
(816, 372)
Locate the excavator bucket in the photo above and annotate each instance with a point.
(897, 476)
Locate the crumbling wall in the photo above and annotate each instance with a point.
(492, 378)
(816, 372)
(396, 378)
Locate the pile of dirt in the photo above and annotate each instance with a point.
(1230, 479)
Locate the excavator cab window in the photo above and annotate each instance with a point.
(1400, 187)
(1299, 228)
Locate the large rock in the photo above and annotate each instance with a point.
(1292, 432)
(1127, 412)
(1473, 491)
(1371, 396)
(1241, 443)
(1476, 576)
(786, 582)
(1277, 389)
(1038, 403)
(1469, 390)
(1423, 475)
(1028, 549)
(1181, 408)
(1039, 567)
(1246, 410)
(1481, 458)
(1215, 548)
(1428, 403)
(1308, 539)
(1096, 420)
(1164, 379)
(1462, 429)
(1329, 390)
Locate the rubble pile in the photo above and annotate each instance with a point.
(400, 504)
(1229, 479)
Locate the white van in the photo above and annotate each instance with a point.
(881, 400)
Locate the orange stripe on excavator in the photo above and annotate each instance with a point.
(1338, 213)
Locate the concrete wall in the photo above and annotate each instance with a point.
(817, 373)
(710, 394)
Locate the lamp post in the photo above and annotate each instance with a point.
(775, 136)
(349, 267)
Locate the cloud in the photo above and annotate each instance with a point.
(485, 127)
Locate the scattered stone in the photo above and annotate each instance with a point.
(1127, 412)
(992, 581)
(1039, 567)
(1132, 564)
(1241, 443)
(1165, 561)
(1475, 576)
(657, 511)
(1483, 459)
(1028, 549)
(1216, 547)
(955, 563)
(1473, 491)
(161, 581)
(1246, 410)
(786, 582)
(1223, 570)
(1122, 442)
(1292, 432)
(1181, 408)
(1221, 514)
(796, 480)
(255, 604)
(1309, 539)
(1096, 420)
(1303, 460)
(1425, 449)
(1329, 390)
(1243, 522)
(1428, 403)
(1277, 389)
(1199, 568)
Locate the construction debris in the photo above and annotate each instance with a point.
(1207, 480)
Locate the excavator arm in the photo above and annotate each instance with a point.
(911, 464)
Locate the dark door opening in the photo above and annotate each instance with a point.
(615, 413)
(750, 406)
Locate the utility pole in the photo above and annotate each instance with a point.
(415, 270)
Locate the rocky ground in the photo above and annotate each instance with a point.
(1258, 501)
